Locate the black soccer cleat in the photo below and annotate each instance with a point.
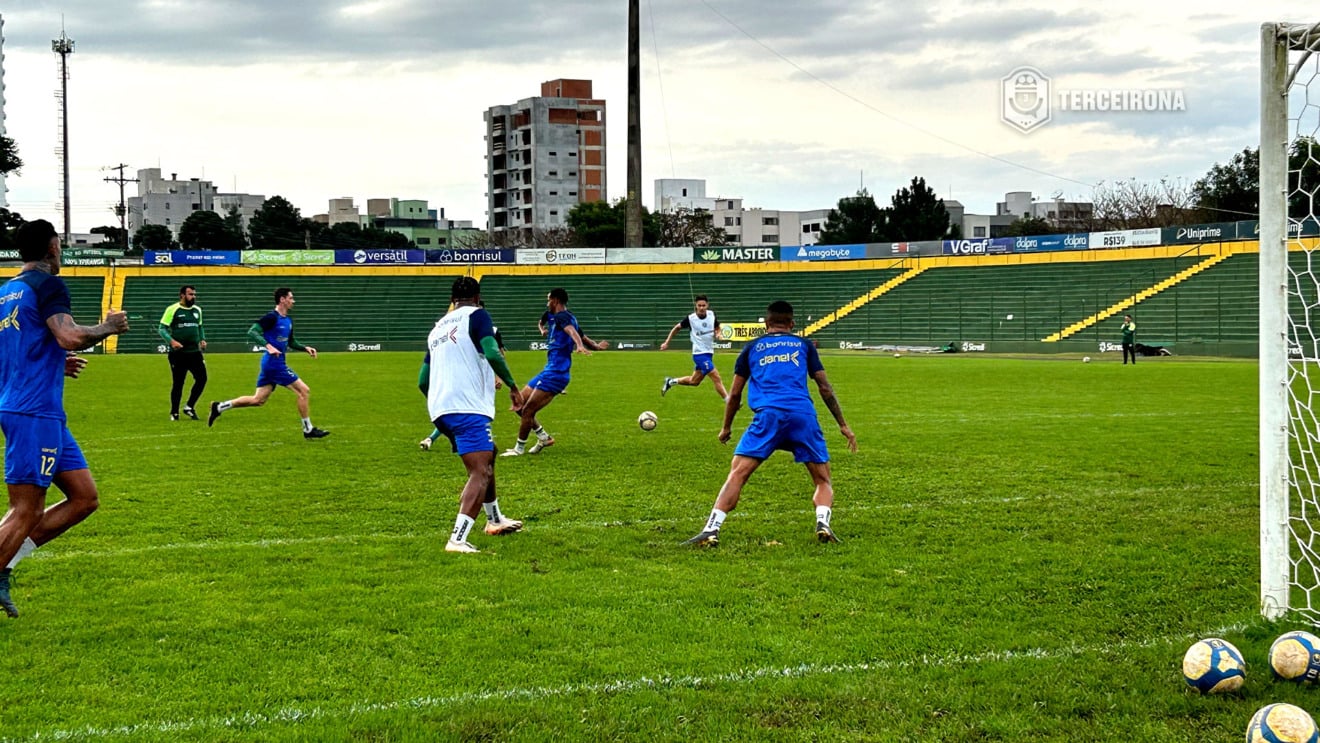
(705, 539)
(7, 603)
(315, 433)
(825, 534)
(215, 413)
(174, 416)
(188, 411)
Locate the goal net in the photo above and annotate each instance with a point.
(1290, 321)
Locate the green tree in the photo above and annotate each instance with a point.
(153, 237)
(915, 213)
(1029, 226)
(857, 219)
(116, 236)
(10, 162)
(601, 225)
(278, 225)
(206, 230)
(234, 223)
(1304, 178)
(687, 227)
(1230, 191)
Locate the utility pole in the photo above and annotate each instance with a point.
(63, 46)
(121, 208)
(633, 225)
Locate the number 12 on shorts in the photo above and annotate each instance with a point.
(47, 466)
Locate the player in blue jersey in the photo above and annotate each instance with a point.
(274, 330)
(38, 338)
(564, 337)
(462, 361)
(774, 368)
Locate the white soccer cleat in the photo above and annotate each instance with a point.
(452, 546)
(541, 444)
(425, 444)
(511, 453)
(503, 526)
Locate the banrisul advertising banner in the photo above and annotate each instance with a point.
(191, 258)
(1037, 243)
(560, 256)
(1199, 233)
(979, 246)
(289, 257)
(1125, 238)
(470, 255)
(822, 252)
(379, 256)
(648, 255)
(731, 254)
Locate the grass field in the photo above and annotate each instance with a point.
(1029, 546)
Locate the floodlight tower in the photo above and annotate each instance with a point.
(63, 46)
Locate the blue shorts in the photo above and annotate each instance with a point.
(550, 381)
(280, 375)
(797, 431)
(37, 449)
(467, 432)
(703, 362)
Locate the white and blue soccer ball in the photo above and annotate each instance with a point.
(647, 420)
(1295, 656)
(1214, 666)
(1086, 359)
(1282, 723)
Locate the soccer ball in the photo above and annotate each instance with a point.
(1214, 666)
(647, 420)
(1295, 656)
(1086, 359)
(1282, 723)
(897, 355)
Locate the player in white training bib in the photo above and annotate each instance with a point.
(703, 330)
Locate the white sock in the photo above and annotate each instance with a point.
(24, 550)
(823, 514)
(493, 514)
(716, 520)
(227, 404)
(522, 443)
(541, 435)
(462, 525)
(307, 424)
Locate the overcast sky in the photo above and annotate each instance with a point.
(786, 104)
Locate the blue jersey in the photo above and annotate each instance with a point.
(277, 329)
(559, 351)
(776, 367)
(31, 360)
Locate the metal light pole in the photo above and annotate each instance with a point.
(63, 46)
(633, 226)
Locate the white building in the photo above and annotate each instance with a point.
(170, 201)
(742, 226)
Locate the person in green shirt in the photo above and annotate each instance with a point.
(1129, 339)
(181, 328)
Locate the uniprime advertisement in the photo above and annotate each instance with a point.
(1199, 233)
(822, 252)
(1125, 238)
(470, 255)
(979, 246)
(191, 258)
(560, 256)
(731, 254)
(289, 257)
(379, 256)
(1035, 243)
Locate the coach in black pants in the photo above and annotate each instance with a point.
(181, 327)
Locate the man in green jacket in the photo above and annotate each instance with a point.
(1129, 339)
(182, 330)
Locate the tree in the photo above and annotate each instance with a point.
(1304, 178)
(153, 237)
(601, 225)
(1230, 191)
(857, 219)
(116, 236)
(278, 225)
(234, 223)
(915, 213)
(1029, 226)
(685, 227)
(10, 162)
(206, 230)
(1135, 205)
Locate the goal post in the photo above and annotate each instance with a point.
(1289, 350)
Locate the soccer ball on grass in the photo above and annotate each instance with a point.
(647, 420)
(1277, 723)
(1295, 656)
(1214, 666)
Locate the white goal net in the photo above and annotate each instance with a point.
(1290, 321)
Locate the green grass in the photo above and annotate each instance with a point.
(1029, 546)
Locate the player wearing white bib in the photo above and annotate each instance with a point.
(703, 329)
(462, 360)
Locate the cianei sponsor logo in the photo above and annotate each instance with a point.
(1107, 346)
(364, 346)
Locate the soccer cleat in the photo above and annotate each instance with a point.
(825, 534)
(705, 539)
(425, 444)
(511, 453)
(188, 411)
(5, 602)
(503, 526)
(315, 433)
(452, 546)
(215, 413)
(174, 416)
(541, 444)
(669, 382)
